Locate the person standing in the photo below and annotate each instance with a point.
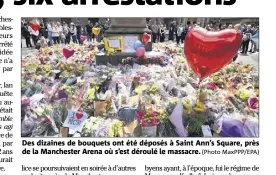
(154, 32)
(78, 26)
(55, 33)
(73, 32)
(59, 28)
(171, 31)
(26, 34)
(66, 32)
(42, 30)
(89, 33)
(162, 33)
(183, 34)
(246, 39)
(50, 36)
(175, 31)
(158, 32)
(254, 41)
(179, 33)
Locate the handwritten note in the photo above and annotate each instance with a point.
(114, 43)
(75, 121)
(129, 43)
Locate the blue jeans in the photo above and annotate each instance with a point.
(99, 38)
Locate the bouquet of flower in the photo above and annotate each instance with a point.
(151, 117)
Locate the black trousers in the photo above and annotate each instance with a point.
(178, 39)
(154, 35)
(56, 40)
(171, 36)
(182, 37)
(78, 38)
(35, 38)
(28, 41)
(245, 45)
(158, 37)
(68, 39)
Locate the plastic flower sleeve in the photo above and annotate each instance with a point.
(251, 128)
(28, 125)
(177, 120)
(230, 127)
(59, 112)
(127, 114)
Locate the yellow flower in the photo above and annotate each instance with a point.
(91, 93)
(161, 111)
(215, 78)
(23, 85)
(182, 60)
(116, 129)
(187, 105)
(79, 68)
(34, 76)
(257, 92)
(139, 90)
(173, 101)
(31, 66)
(46, 68)
(81, 83)
(244, 95)
(237, 93)
(199, 107)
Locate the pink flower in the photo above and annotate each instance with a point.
(144, 123)
(154, 122)
(211, 86)
(152, 114)
(253, 103)
(141, 115)
(46, 120)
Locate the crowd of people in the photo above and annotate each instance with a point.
(175, 32)
(178, 33)
(61, 33)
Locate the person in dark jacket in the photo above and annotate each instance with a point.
(78, 26)
(247, 34)
(26, 34)
(172, 31)
(42, 30)
(89, 33)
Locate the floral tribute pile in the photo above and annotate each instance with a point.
(75, 97)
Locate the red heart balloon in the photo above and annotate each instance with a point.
(207, 52)
(79, 115)
(35, 26)
(145, 38)
(68, 52)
